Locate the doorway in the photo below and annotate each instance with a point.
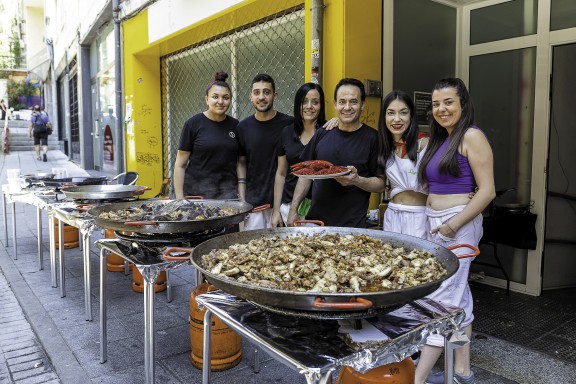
(559, 264)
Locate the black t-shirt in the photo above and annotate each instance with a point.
(259, 141)
(333, 203)
(213, 147)
(291, 147)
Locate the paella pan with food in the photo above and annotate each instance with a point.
(324, 268)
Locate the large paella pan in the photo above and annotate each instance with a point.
(103, 192)
(320, 301)
(170, 216)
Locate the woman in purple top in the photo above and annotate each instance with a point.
(458, 161)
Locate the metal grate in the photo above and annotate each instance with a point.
(74, 118)
(274, 45)
(547, 323)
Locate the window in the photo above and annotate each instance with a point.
(503, 21)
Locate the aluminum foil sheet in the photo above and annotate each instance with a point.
(148, 260)
(405, 331)
(319, 346)
(73, 217)
(27, 196)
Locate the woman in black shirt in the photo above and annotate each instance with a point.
(208, 151)
(309, 113)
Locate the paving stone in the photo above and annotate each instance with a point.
(21, 352)
(25, 358)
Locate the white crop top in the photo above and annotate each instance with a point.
(403, 175)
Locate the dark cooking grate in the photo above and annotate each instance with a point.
(193, 238)
(326, 315)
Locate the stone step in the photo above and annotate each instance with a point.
(16, 124)
(25, 139)
(20, 141)
(23, 148)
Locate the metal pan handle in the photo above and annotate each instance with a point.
(260, 208)
(166, 254)
(141, 223)
(356, 303)
(298, 223)
(473, 248)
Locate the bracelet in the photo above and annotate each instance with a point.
(449, 227)
(241, 180)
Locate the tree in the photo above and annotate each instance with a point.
(17, 90)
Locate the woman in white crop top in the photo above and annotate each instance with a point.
(399, 156)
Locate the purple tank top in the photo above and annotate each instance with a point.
(444, 183)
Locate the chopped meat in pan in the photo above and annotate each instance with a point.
(328, 263)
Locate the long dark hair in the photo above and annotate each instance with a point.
(386, 146)
(220, 80)
(299, 100)
(449, 162)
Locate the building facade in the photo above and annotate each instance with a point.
(506, 51)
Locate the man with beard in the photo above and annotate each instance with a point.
(258, 137)
(342, 201)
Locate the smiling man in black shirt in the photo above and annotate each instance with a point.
(335, 201)
(259, 137)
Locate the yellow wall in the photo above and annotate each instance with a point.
(142, 95)
(352, 48)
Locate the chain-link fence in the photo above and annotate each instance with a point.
(274, 46)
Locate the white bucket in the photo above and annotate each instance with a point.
(13, 173)
(60, 173)
(15, 184)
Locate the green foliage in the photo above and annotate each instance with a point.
(18, 89)
(16, 50)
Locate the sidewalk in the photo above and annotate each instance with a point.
(68, 349)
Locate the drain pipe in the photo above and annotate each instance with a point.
(120, 162)
(317, 30)
(54, 119)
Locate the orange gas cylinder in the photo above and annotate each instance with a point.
(226, 345)
(138, 281)
(114, 263)
(71, 236)
(395, 373)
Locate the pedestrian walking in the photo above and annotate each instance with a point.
(39, 129)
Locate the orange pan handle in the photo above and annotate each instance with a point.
(194, 197)
(84, 207)
(473, 248)
(356, 303)
(140, 191)
(260, 208)
(141, 223)
(166, 254)
(298, 223)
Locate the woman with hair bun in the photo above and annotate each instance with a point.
(208, 151)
